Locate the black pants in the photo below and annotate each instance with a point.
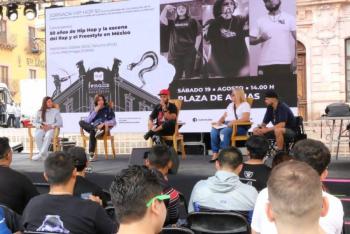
(168, 128)
(183, 64)
(92, 131)
(11, 120)
(278, 70)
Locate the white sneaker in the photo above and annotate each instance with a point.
(37, 157)
(99, 133)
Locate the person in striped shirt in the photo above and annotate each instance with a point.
(159, 162)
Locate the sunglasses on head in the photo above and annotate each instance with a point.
(162, 197)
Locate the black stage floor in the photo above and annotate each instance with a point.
(191, 170)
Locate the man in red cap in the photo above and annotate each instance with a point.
(162, 120)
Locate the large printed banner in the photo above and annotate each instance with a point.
(200, 49)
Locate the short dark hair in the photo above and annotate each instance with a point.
(159, 156)
(4, 147)
(217, 7)
(131, 189)
(58, 168)
(313, 152)
(257, 147)
(231, 157)
(79, 157)
(271, 94)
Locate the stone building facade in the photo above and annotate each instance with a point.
(323, 28)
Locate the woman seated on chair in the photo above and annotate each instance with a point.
(47, 119)
(95, 124)
(237, 111)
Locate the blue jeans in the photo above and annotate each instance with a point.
(221, 138)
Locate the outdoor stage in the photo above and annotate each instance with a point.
(194, 168)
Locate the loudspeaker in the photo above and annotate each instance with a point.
(138, 155)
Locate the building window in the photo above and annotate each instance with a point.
(347, 66)
(31, 35)
(3, 31)
(129, 100)
(4, 74)
(32, 74)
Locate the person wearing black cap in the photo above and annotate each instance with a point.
(282, 118)
(162, 120)
(83, 187)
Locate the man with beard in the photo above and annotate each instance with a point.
(282, 118)
(275, 32)
(226, 34)
(162, 120)
(184, 40)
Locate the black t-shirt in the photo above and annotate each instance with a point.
(282, 114)
(255, 175)
(229, 52)
(83, 187)
(158, 114)
(66, 214)
(15, 189)
(183, 35)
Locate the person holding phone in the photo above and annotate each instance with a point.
(95, 123)
(47, 119)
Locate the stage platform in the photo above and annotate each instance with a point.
(191, 170)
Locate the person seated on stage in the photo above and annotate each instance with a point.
(295, 199)
(282, 118)
(137, 197)
(254, 171)
(316, 155)
(224, 191)
(159, 161)
(47, 119)
(162, 120)
(59, 210)
(84, 187)
(15, 188)
(95, 123)
(237, 111)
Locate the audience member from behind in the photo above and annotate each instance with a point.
(159, 161)
(316, 155)
(295, 199)
(59, 211)
(83, 187)
(15, 189)
(224, 191)
(137, 197)
(254, 171)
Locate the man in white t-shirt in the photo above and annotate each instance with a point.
(295, 199)
(316, 155)
(237, 111)
(276, 33)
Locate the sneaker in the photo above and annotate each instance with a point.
(88, 169)
(157, 140)
(92, 157)
(99, 133)
(149, 134)
(37, 157)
